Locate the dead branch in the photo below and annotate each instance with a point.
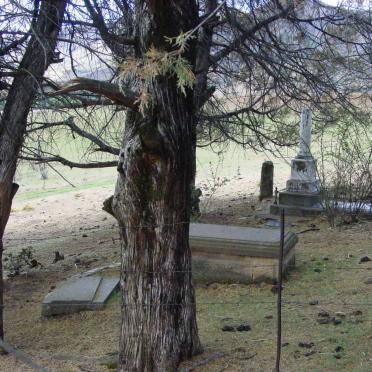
(103, 88)
(68, 163)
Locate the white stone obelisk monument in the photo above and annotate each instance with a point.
(302, 190)
(303, 166)
(305, 134)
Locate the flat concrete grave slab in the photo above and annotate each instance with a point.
(77, 294)
(241, 253)
(236, 240)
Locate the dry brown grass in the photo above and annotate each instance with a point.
(82, 342)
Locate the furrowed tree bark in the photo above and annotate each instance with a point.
(38, 55)
(6, 197)
(151, 203)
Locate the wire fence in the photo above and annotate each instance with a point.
(283, 306)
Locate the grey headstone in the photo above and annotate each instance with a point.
(77, 294)
(267, 180)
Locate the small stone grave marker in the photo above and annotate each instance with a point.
(77, 294)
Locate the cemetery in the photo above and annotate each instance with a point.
(235, 260)
(185, 186)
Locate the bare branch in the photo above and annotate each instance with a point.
(102, 146)
(68, 163)
(239, 40)
(104, 88)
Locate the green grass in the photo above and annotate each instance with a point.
(233, 162)
(29, 195)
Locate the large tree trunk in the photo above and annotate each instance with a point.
(36, 59)
(151, 203)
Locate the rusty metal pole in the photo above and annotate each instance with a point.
(279, 301)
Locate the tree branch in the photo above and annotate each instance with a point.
(102, 146)
(248, 33)
(114, 42)
(102, 88)
(71, 164)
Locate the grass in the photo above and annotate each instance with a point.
(339, 287)
(339, 282)
(235, 163)
(342, 347)
(29, 195)
(333, 287)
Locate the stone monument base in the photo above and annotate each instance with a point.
(298, 203)
(300, 199)
(291, 210)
